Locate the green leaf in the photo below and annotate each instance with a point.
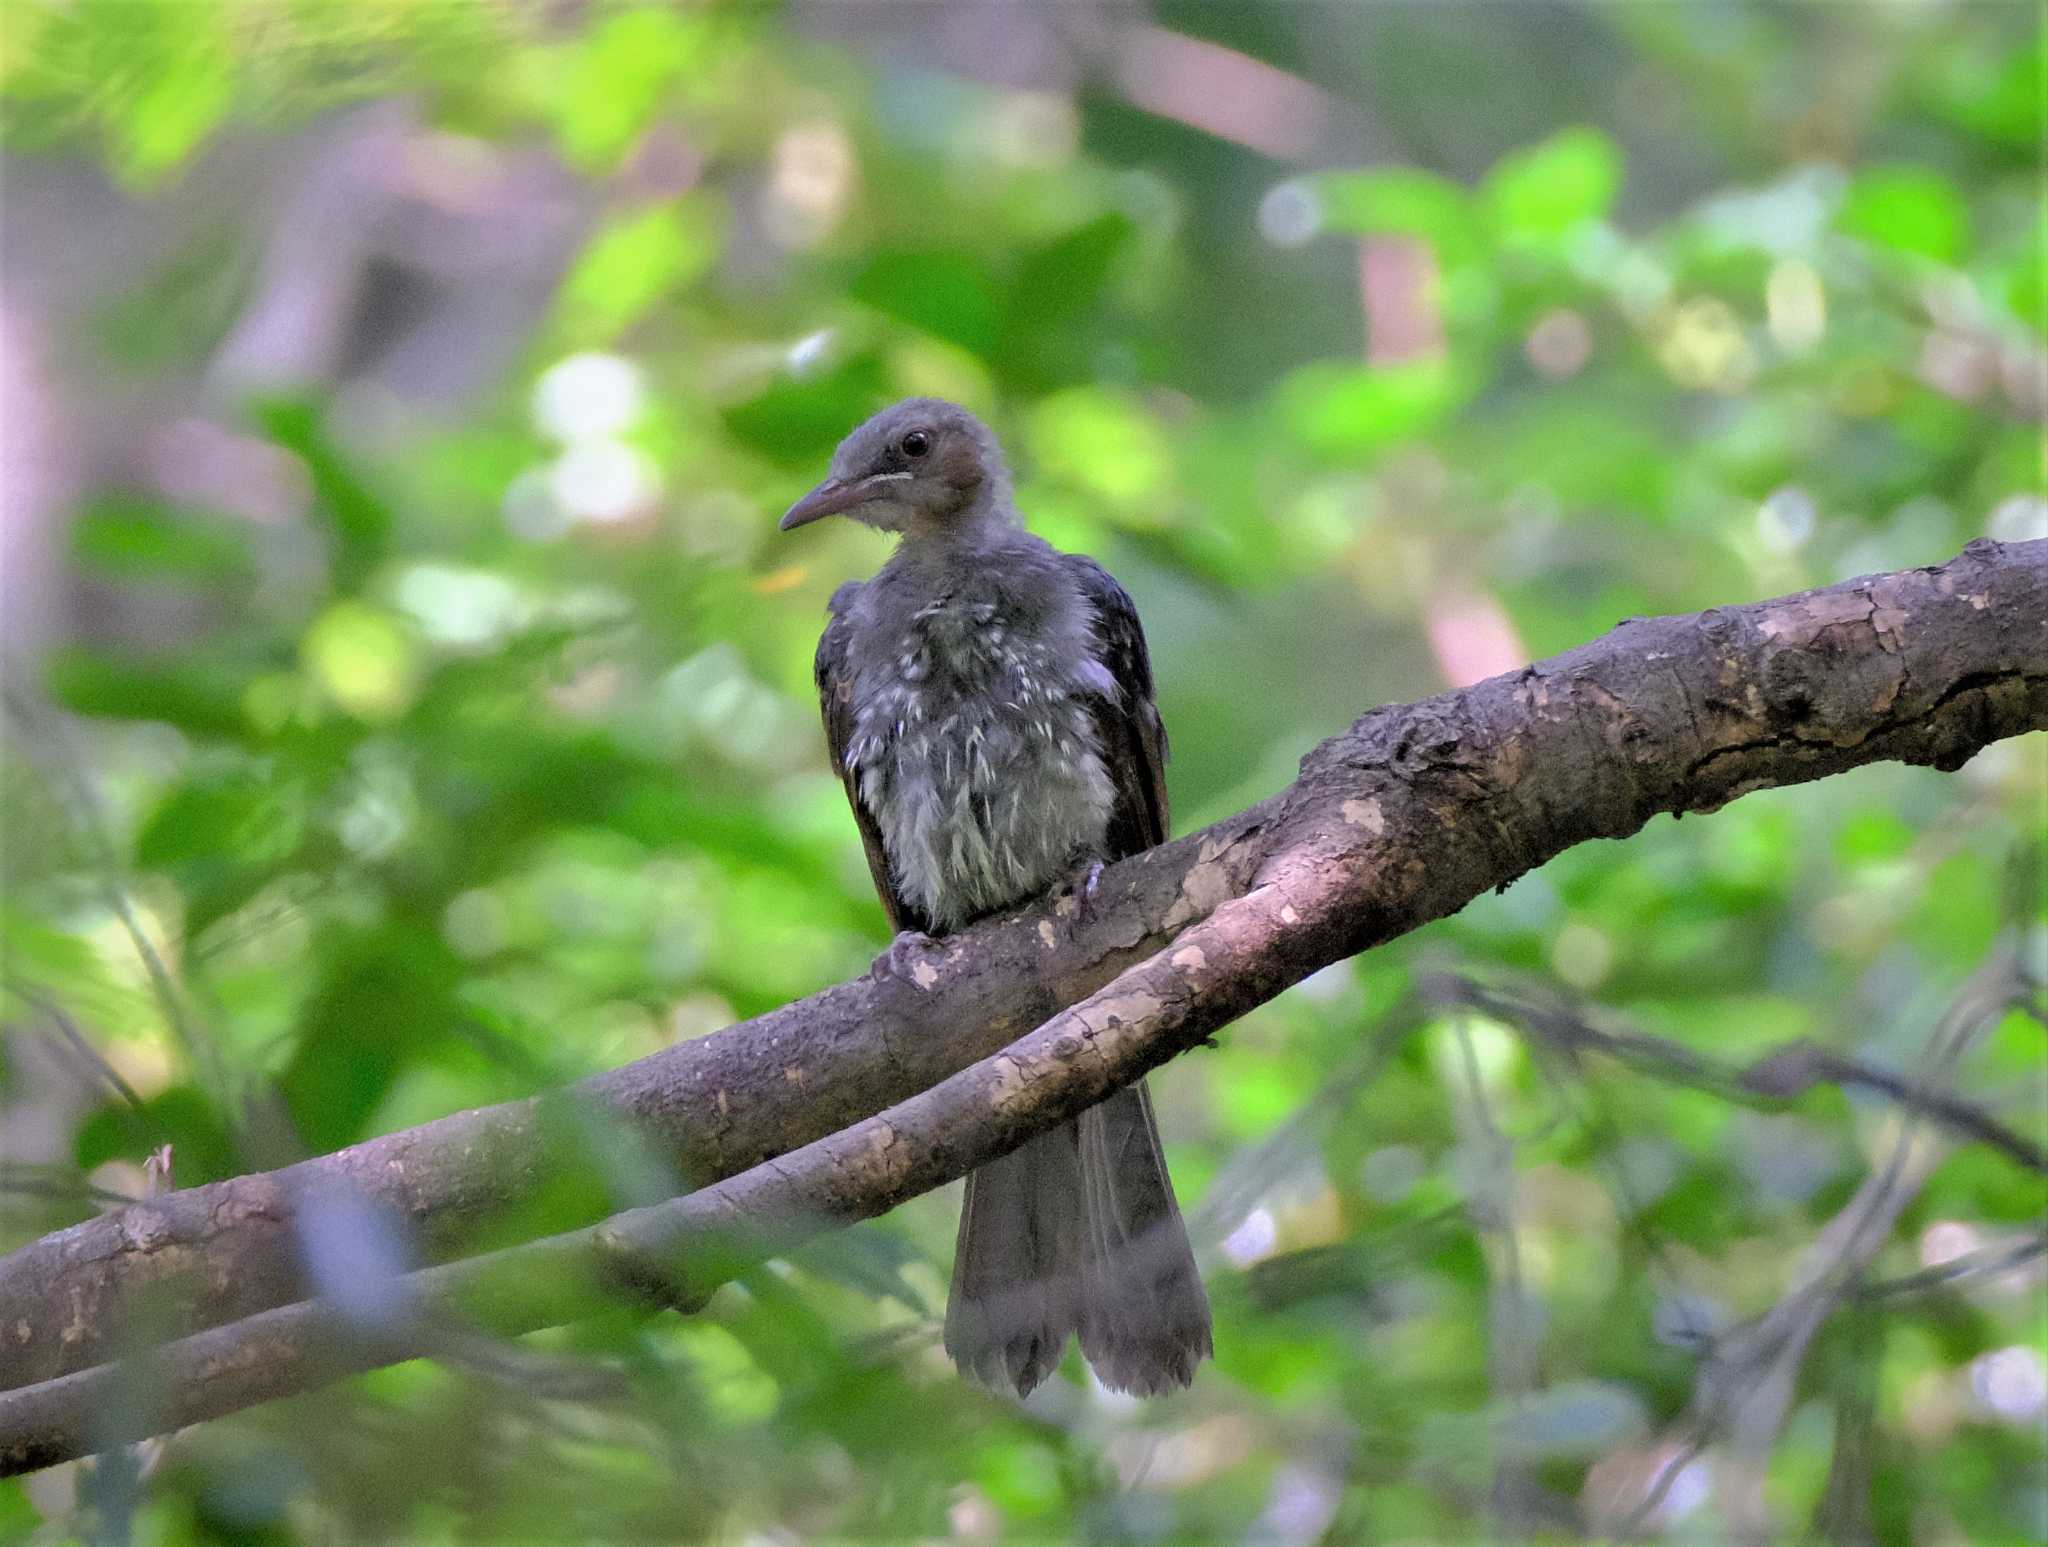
(1909, 209)
(20, 1520)
(198, 699)
(236, 811)
(368, 659)
(179, 97)
(640, 259)
(2026, 287)
(1108, 445)
(618, 78)
(1550, 189)
(201, 1148)
(1960, 910)
(360, 521)
(1992, 88)
(799, 419)
(1347, 411)
(382, 1000)
(951, 295)
(1022, 1477)
(1399, 202)
(1873, 834)
(735, 1386)
(223, 837)
(1262, 1096)
(130, 537)
(1066, 276)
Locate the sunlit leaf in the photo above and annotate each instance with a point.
(1107, 445)
(1399, 202)
(1910, 209)
(1354, 411)
(1546, 191)
(176, 87)
(367, 659)
(637, 261)
(617, 78)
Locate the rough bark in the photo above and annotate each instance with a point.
(1402, 819)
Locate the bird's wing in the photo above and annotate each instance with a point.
(1128, 727)
(835, 701)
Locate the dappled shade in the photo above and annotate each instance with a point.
(409, 710)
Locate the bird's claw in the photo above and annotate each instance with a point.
(1076, 899)
(906, 959)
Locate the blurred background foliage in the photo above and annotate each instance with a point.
(409, 704)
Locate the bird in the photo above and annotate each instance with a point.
(988, 705)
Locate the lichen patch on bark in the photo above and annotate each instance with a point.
(1208, 884)
(1366, 814)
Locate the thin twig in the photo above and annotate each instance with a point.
(1746, 1378)
(1779, 1077)
(90, 820)
(1985, 1262)
(83, 1050)
(1509, 1363)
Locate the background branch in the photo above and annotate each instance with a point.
(1746, 1381)
(1775, 1079)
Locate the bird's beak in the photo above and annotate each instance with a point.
(833, 497)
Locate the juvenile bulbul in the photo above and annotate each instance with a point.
(988, 704)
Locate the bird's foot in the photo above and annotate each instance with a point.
(909, 958)
(1075, 899)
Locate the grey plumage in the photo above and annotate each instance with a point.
(973, 732)
(988, 703)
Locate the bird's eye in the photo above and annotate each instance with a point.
(916, 443)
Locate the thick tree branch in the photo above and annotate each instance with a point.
(675, 1253)
(1401, 820)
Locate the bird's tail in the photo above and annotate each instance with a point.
(1078, 1232)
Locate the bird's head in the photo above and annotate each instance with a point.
(923, 467)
